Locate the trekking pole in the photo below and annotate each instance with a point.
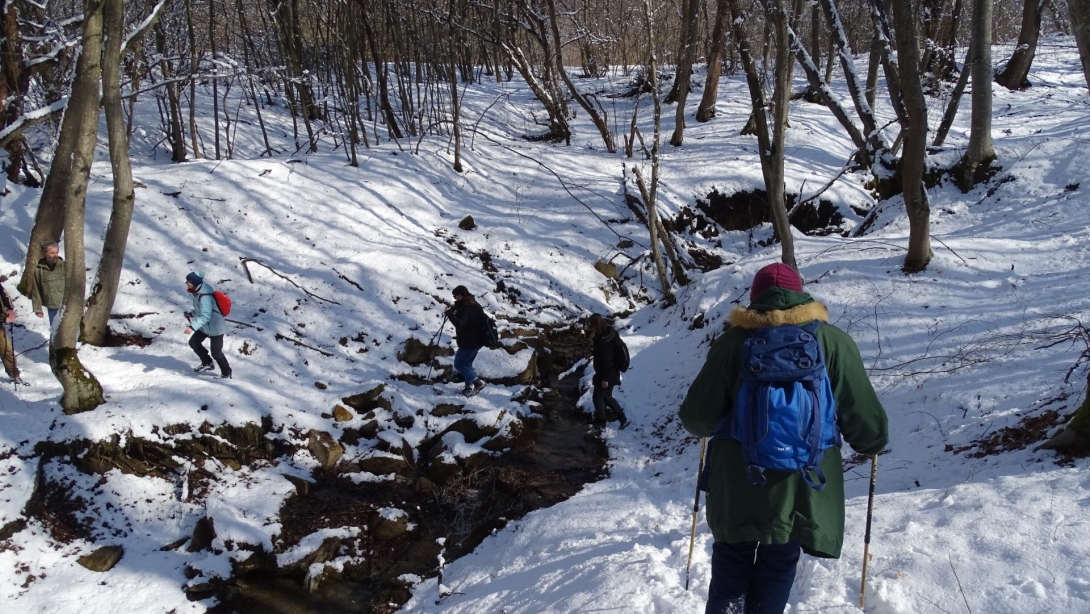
(866, 537)
(696, 509)
(431, 354)
(11, 348)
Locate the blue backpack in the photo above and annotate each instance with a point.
(785, 415)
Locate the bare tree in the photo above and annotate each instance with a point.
(82, 392)
(104, 290)
(980, 153)
(706, 110)
(652, 211)
(683, 77)
(1080, 27)
(914, 127)
(1015, 74)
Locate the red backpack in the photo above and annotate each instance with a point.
(223, 302)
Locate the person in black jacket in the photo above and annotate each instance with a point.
(470, 328)
(606, 373)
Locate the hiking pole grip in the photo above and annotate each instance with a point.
(696, 509)
(866, 536)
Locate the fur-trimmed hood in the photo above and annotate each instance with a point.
(751, 319)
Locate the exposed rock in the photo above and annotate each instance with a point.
(424, 485)
(415, 352)
(324, 448)
(475, 461)
(606, 268)
(383, 464)
(470, 429)
(467, 223)
(386, 528)
(301, 485)
(203, 534)
(342, 414)
(12, 528)
(260, 561)
(102, 559)
(443, 472)
(321, 385)
(447, 409)
(367, 401)
(324, 553)
(515, 436)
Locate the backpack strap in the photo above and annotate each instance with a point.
(215, 304)
(813, 437)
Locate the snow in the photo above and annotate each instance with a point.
(956, 353)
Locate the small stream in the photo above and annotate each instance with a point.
(564, 455)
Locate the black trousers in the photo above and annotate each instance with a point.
(197, 343)
(603, 398)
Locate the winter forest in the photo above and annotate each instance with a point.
(318, 192)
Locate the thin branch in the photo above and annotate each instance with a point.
(245, 265)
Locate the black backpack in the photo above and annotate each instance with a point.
(491, 334)
(621, 358)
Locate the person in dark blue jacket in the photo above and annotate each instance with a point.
(206, 322)
(470, 328)
(607, 375)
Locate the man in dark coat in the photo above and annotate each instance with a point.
(606, 374)
(759, 530)
(470, 329)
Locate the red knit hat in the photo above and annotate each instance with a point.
(777, 275)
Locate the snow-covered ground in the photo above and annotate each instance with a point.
(957, 353)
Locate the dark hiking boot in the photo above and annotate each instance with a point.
(225, 375)
(471, 390)
(206, 366)
(624, 423)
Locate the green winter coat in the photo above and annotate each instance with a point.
(47, 286)
(785, 509)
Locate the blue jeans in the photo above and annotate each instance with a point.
(463, 363)
(52, 313)
(751, 578)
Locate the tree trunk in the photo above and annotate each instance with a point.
(453, 81)
(14, 84)
(1080, 27)
(79, 129)
(215, 81)
(706, 110)
(683, 78)
(874, 62)
(856, 87)
(914, 129)
(597, 116)
(819, 87)
(1074, 439)
(194, 68)
(1014, 75)
(104, 290)
(980, 152)
(176, 135)
(952, 106)
(652, 213)
(774, 158)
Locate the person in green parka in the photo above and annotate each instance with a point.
(46, 290)
(760, 530)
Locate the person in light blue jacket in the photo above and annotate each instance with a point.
(206, 322)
